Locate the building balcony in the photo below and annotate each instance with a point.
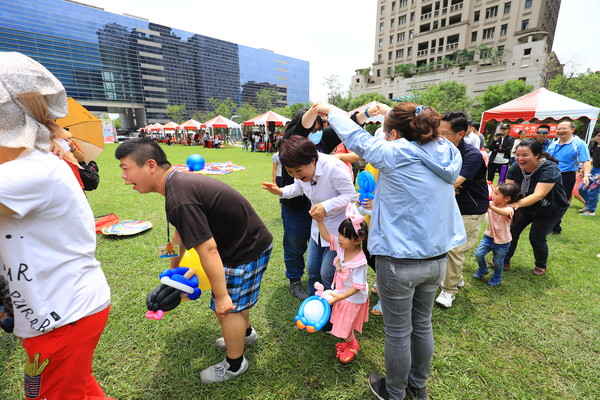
(422, 53)
(456, 7)
(425, 16)
(452, 46)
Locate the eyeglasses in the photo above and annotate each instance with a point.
(542, 132)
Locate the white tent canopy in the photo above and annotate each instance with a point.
(542, 104)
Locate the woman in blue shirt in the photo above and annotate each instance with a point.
(415, 221)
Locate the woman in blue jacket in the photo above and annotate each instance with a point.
(415, 221)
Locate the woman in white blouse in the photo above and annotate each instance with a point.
(324, 179)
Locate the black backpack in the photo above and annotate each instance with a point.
(89, 175)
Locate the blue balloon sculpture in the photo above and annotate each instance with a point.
(313, 314)
(195, 162)
(366, 186)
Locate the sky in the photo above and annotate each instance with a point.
(335, 36)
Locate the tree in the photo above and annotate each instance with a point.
(366, 98)
(176, 113)
(266, 99)
(444, 97)
(291, 110)
(335, 94)
(226, 107)
(246, 112)
(582, 87)
(499, 94)
(117, 123)
(406, 70)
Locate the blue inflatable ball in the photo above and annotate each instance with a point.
(195, 162)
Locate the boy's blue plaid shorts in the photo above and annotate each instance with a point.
(243, 281)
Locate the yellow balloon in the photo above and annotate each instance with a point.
(190, 259)
(372, 170)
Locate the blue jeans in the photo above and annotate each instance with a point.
(407, 290)
(319, 261)
(296, 233)
(591, 195)
(499, 250)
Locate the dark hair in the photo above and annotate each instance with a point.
(297, 151)
(476, 125)
(522, 131)
(420, 128)
(458, 121)
(536, 149)
(346, 229)
(544, 126)
(534, 146)
(297, 121)
(510, 190)
(141, 150)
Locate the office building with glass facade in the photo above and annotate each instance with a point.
(126, 64)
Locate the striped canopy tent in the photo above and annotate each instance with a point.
(220, 122)
(191, 124)
(233, 128)
(153, 127)
(542, 104)
(372, 120)
(264, 119)
(170, 126)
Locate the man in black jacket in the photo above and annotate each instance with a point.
(500, 147)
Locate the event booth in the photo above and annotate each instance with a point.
(540, 105)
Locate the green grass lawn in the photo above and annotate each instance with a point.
(530, 338)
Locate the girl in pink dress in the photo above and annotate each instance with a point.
(350, 298)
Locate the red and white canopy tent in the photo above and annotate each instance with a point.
(267, 117)
(372, 120)
(153, 127)
(542, 104)
(190, 124)
(220, 122)
(170, 126)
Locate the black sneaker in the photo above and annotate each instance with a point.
(298, 290)
(415, 393)
(377, 385)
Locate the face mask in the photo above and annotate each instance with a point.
(315, 137)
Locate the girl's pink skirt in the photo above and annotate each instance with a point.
(348, 317)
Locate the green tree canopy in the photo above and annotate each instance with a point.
(291, 110)
(224, 108)
(444, 97)
(246, 112)
(583, 87)
(176, 113)
(499, 94)
(365, 98)
(266, 99)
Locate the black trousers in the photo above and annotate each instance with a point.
(492, 168)
(568, 180)
(540, 227)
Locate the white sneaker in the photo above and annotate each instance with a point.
(445, 299)
(588, 213)
(220, 372)
(461, 283)
(252, 338)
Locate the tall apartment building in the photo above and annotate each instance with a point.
(474, 42)
(129, 65)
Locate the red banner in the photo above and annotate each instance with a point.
(531, 130)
